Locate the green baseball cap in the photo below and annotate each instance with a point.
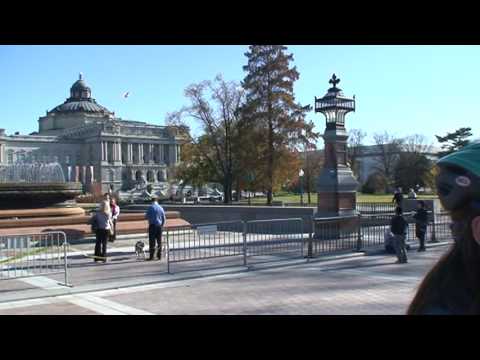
(468, 158)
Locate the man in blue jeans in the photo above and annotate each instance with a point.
(156, 219)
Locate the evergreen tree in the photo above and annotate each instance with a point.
(454, 141)
(271, 108)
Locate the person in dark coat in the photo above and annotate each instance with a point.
(398, 197)
(421, 223)
(398, 227)
(102, 223)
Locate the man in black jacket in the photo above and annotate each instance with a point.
(398, 227)
(421, 222)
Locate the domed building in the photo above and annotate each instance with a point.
(94, 146)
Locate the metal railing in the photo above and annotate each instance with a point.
(205, 241)
(34, 254)
(282, 238)
(269, 237)
(329, 235)
(236, 238)
(370, 208)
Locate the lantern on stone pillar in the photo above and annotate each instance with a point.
(336, 185)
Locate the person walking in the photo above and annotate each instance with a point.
(156, 220)
(115, 212)
(452, 286)
(421, 223)
(398, 227)
(398, 197)
(102, 223)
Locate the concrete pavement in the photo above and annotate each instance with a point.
(352, 285)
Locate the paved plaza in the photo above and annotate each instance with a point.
(349, 284)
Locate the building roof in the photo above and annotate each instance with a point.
(80, 100)
(89, 105)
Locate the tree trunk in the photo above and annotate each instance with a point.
(239, 194)
(227, 190)
(270, 164)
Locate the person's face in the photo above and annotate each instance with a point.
(476, 229)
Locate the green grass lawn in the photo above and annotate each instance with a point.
(295, 198)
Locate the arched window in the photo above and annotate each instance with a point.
(161, 175)
(150, 176)
(138, 175)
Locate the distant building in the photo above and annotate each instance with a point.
(95, 147)
(368, 159)
(369, 156)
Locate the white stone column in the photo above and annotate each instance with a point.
(140, 153)
(2, 157)
(106, 150)
(129, 153)
(160, 154)
(151, 149)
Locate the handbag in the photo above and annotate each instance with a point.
(111, 231)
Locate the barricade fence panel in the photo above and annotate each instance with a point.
(270, 237)
(371, 208)
(286, 237)
(204, 241)
(33, 255)
(329, 236)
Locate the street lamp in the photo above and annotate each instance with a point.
(300, 174)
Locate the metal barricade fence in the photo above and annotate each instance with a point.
(286, 237)
(372, 208)
(440, 229)
(373, 229)
(330, 235)
(204, 241)
(33, 254)
(270, 237)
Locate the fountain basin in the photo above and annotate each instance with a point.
(23, 195)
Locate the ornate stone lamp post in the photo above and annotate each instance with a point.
(336, 185)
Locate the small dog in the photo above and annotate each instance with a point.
(139, 251)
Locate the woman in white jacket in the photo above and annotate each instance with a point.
(115, 209)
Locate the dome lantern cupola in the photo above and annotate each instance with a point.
(80, 90)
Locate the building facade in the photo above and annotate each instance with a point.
(95, 147)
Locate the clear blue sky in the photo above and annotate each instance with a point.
(402, 89)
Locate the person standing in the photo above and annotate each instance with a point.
(398, 227)
(398, 197)
(102, 222)
(412, 194)
(421, 223)
(156, 220)
(115, 212)
(452, 286)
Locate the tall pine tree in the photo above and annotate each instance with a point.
(271, 108)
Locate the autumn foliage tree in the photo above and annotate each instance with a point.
(215, 106)
(272, 112)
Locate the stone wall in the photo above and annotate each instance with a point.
(197, 214)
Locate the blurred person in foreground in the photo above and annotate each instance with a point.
(452, 287)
